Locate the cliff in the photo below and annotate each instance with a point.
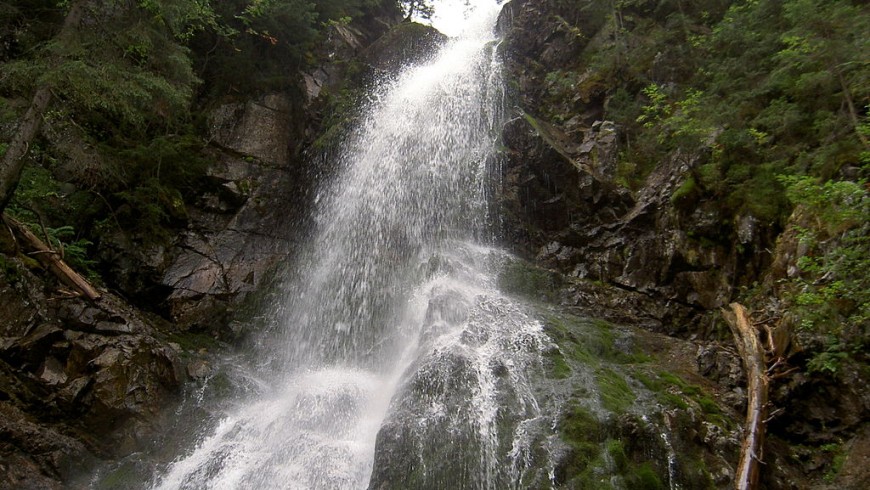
(661, 161)
(180, 263)
(625, 177)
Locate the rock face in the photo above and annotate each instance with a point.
(237, 235)
(566, 208)
(260, 183)
(654, 253)
(84, 381)
(259, 128)
(77, 380)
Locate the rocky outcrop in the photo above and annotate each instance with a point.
(242, 229)
(78, 380)
(406, 42)
(652, 250)
(83, 381)
(567, 207)
(260, 128)
(237, 233)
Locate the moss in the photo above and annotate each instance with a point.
(581, 430)
(557, 367)
(589, 342)
(643, 477)
(579, 424)
(674, 380)
(672, 400)
(616, 449)
(121, 477)
(614, 391)
(220, 385)
(709, 406)
(523, 279)
(673, 391)
(685, 192)
(837, 461)
(695, 474)
(9, 270)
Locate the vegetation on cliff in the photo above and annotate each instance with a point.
(739, 174)
(101, 104)
(770, 100)
(766, 103)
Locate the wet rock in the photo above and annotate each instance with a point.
(222, 258)
(720, 365)
(35, 456)
(51, 372)
(79, 369)
(600, 150)
(136, 264)
(198, 369)
(72, 392)
(404, 43)
(563, 206)
(256, 128)
(33, 347)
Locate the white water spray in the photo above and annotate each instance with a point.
(391, 308)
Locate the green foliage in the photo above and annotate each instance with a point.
(836, 206)
(418, 9)
(838, 458)
(41, 201)
(124, 155)
(73, 250)
(261, 44)
(746, 91)
(832, 295)
(829, 360)
(129, 64)
(688, 188)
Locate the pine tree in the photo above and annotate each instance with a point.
(122, 59)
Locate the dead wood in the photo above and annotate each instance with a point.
(752, 354)
(51, 259)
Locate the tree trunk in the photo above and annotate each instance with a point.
(850, 104)
(50, 259)
(12, 161)
(752, 354)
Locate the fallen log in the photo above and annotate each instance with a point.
(51, 259)
(757, 385)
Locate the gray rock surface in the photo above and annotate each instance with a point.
(77, 379)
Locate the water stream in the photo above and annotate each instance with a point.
(392, 331)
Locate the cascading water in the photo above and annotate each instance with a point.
(393, 330)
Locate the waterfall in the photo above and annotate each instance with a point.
(392, 332)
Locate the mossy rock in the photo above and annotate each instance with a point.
(527, 281)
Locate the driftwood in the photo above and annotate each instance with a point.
(51, 259)
(752, 353)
